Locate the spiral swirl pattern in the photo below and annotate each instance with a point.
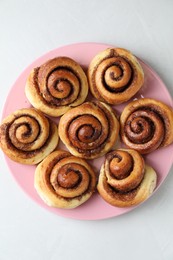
(146, 124)
(124, 179)
(115, 76)
(27, 136)
(64, 181)
(56, 86)
(90, 130)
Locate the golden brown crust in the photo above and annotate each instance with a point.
(136, 184)
(27, 136)
(146, 124)
(56, 86)
(64, 181)
(115, 75)
(89, 130)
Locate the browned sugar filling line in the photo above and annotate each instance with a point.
(35, 76)
(139, 128)
(94, 132)
(67, 198)
(56, 101)
(120, 89)
(90, 150)
(151, 108)
(122, 196)
(30, 154)
(49, 167)
(123, 174)
(113, 54)
(28, 133)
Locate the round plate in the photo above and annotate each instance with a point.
(95, 208)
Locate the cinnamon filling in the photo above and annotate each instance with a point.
(59, 90)
(23, 148)
(119, 195)
(142, 124)
(90, 137)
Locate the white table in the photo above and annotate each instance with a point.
(28, 30)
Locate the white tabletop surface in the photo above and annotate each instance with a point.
(28, 29)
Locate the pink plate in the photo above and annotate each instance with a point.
(95, 208)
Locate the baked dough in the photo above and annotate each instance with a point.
(56, 86)
(115, 75)
(64, 181)
(124, 178)
(146, 125)
(27, 136)
(89, 130)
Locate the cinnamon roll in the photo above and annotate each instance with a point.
(146, 124)
(89, 130)
(64, 181)
(56, 86)
(124, 178)
(27, 136)
(115, 75)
